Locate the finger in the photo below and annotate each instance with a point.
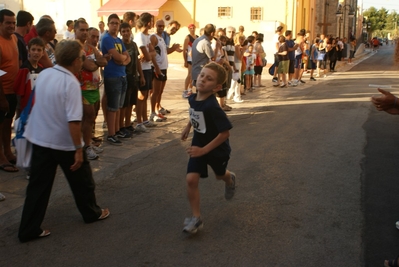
(383, 91)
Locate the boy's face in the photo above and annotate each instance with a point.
(207, 81)
(126, 33)
(36, 52)
(250, 49)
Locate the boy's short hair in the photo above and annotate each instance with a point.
(36, 41)
(113, 16)
(69, 22)
(124, 25)
(281, 38)
(288, 32)
(220, 71)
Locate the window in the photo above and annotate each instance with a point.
(224, 12)
(256, 13)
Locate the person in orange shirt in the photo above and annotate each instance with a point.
(9, 63)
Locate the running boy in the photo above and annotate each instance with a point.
(210, 143)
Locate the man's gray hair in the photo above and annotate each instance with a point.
(44, 25)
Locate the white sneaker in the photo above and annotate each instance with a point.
(154, 117)
(91, 155)
(238, 100)
(97, 149)
(140, 128)
(149, 124)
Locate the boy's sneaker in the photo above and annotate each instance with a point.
(91, 155)
(192, 225)
(140, 128)
(302, 81)
(113, 140)
(131, 129)
(162, 117)
(164, 111)
(229, 190)
(97, 149)
(126, 132)
(155, 117)
(275, 80)
(120, 134)
(312, 79)
(149, 124)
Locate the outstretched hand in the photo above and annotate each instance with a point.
(386, 102)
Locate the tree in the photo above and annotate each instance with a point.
(377, 17)
(392, 20)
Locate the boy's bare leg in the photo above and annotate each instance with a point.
(193, 194)
(226, 178)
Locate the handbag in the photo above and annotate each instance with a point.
(264, 62)
(22, 146)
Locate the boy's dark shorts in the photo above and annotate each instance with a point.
(200, 165)
(131, 91)
(161, 78)
(148, 80)
(258, 70)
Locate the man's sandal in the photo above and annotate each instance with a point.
(104, 214)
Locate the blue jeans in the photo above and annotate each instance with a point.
(115, 90)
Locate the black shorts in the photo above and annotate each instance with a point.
(222, 93)
(148, 80)
(258, 70)
(291, 68)
(200, 165)
(12, 103)
(161, 78)
(131, 91)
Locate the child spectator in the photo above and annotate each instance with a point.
(210, 144)
(29, 71)
(250, 69)
(284, 62)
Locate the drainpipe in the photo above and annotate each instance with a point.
(194, 10)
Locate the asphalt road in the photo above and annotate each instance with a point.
(316, 169)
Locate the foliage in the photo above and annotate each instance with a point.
(382, 21)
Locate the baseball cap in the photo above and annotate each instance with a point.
(191, 26)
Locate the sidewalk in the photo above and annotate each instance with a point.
(114, 158)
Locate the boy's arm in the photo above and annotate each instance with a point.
(195, 151)
(186, 131)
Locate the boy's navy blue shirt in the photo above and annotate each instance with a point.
(208, 120)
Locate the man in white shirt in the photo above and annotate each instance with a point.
(58, 109)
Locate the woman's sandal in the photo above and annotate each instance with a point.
(104, 214)
(391, 263)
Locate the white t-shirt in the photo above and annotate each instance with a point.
(69, 35)
(162, 53)
(143, 40)
(58, 101)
